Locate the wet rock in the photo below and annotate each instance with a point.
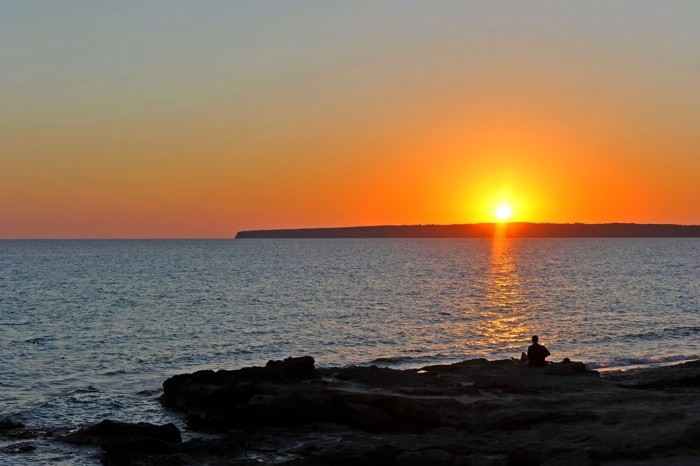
(131, 452)
(110, 433)
(366, 417)
(349, 455)
(380, 376)
(489, 460)
(287, 407)
(574, 458)
(525, 419)
(279, 372)
(477, 412)
(408, 413)
(431, 456)
(7, 423)
(570, 368)
(682, 377)
(223, 399)
(301, 368)
(11, 428)
(24, 433)
(21, 447)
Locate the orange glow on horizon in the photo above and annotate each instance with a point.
(445, 183)
(396, 125)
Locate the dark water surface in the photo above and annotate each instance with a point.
(90, 329)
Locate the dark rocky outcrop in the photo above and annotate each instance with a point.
(277, 394)
(125, 443)
(20, 447)
(13, 429)
(109, 433)
(7, 424)
(475, 412)
(675, 378)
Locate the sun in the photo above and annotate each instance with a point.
(503, 212)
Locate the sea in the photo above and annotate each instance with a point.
(90, 329)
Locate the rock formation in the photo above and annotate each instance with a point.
(474, 412)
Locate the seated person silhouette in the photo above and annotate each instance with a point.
(536, 354)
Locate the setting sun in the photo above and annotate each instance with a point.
(503, 212)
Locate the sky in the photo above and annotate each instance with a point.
(194, 119)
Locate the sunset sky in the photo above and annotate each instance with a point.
(171, 118)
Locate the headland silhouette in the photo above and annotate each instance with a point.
(488, 230)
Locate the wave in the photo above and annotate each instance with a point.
(12, 323)
(150, 391)
(88, 389)
(114, 372)
(618, 363)
(615, 363)
(675, 332)
(40, 340)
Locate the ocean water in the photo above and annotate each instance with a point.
(90, 329)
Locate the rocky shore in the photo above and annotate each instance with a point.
(475, 412)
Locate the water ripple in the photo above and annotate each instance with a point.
(90, 329)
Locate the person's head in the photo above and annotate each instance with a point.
(534, 339)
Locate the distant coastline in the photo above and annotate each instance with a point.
(487, 230)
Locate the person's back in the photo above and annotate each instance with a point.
(536, 354)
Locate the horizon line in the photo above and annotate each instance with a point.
(189, 238)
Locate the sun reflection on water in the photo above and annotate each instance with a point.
(504, 324)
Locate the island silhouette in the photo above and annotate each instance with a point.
(487, 230)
